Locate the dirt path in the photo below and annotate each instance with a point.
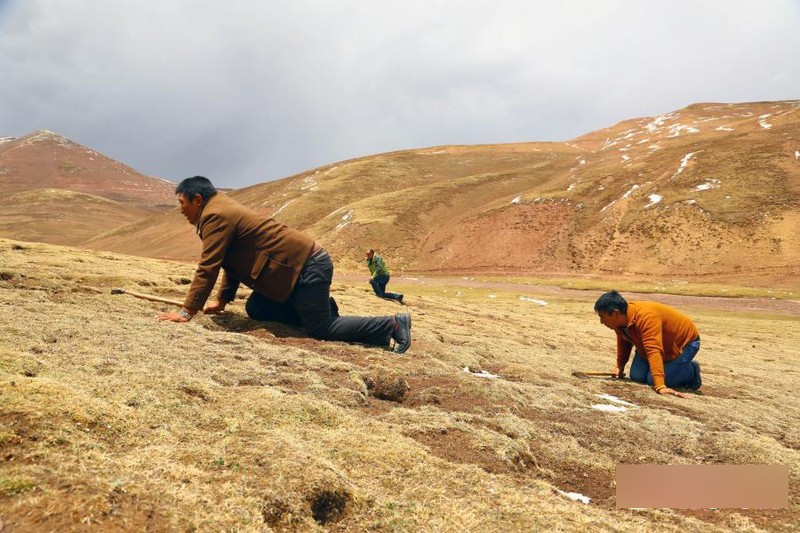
(755, 305)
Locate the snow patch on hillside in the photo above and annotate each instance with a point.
(626, 195)
(723, 128)
(708, 185)
(480, 374)
(676, 129)
(654, 199)
(684, 162)
(517, 200)
(281, 208)
(763, 121)
(533, 300)
(309, 184)
(347, 218)
(575, 496)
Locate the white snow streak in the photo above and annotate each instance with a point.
(533, 300)
(281, 208)
(576, 496)
(684, 162)
(346, 219)
(627, 194)
(481, 374)
(654, 199)
(614, 399)
(517, 200)
(708, 185)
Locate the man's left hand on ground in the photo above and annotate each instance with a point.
(667, 390)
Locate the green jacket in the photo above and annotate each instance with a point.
(377, 266)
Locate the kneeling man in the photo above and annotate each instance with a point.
(666, 342)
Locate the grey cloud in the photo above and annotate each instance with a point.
(246, 91)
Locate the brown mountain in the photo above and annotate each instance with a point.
(54, 190)
(708, 192)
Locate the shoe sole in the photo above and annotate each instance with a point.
(398, 349)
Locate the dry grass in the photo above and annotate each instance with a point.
(110, 420)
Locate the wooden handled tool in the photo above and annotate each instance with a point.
(147, 297)
(585, 375)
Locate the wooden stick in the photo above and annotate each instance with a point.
(584, 375)
(147, 297)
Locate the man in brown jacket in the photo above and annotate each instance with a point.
(666, 342)
(289, 272)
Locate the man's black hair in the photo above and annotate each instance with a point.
(196, 185)
(610, 301)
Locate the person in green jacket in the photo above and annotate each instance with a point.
(379, 276)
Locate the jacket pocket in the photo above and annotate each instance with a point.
(271, 278)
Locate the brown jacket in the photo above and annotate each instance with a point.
(260, 252)
(659, 333)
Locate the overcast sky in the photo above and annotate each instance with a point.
(247, 91)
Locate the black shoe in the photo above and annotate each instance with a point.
(698, 381)
(334, 308)
(402, 333)
(400, 298)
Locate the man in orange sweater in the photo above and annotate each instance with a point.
(666, 342)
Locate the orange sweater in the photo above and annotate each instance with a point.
(659, 333)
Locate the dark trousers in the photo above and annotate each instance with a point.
(311, 307)
(677, 373)
(379, 283)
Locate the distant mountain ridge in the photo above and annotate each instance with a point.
(709, 192)
(57, 191)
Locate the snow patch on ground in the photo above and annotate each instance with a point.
(572, 186)
(533, 300)
(708, 185)
(309, 184)
(676, 129)
(517, 200)
(626, 158)
(723, 128)
(763, 121)
(654, 199)
(684, 162)
(281, 208)
(797, 154)
(614, 399)
(481, 374)
(626, 195)
(346, 219)
(575, 496)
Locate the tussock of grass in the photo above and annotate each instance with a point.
(112, 419)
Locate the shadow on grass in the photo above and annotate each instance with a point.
(240, 324)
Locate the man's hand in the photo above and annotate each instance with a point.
(214, 307)
(172, 317)
(667, 390)
(618, 373)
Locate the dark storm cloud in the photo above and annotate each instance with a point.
(247, 91)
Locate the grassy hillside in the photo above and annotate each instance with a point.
(111, 420)
(708, 193)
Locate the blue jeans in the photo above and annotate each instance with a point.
(679, 372)
(379, 283)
